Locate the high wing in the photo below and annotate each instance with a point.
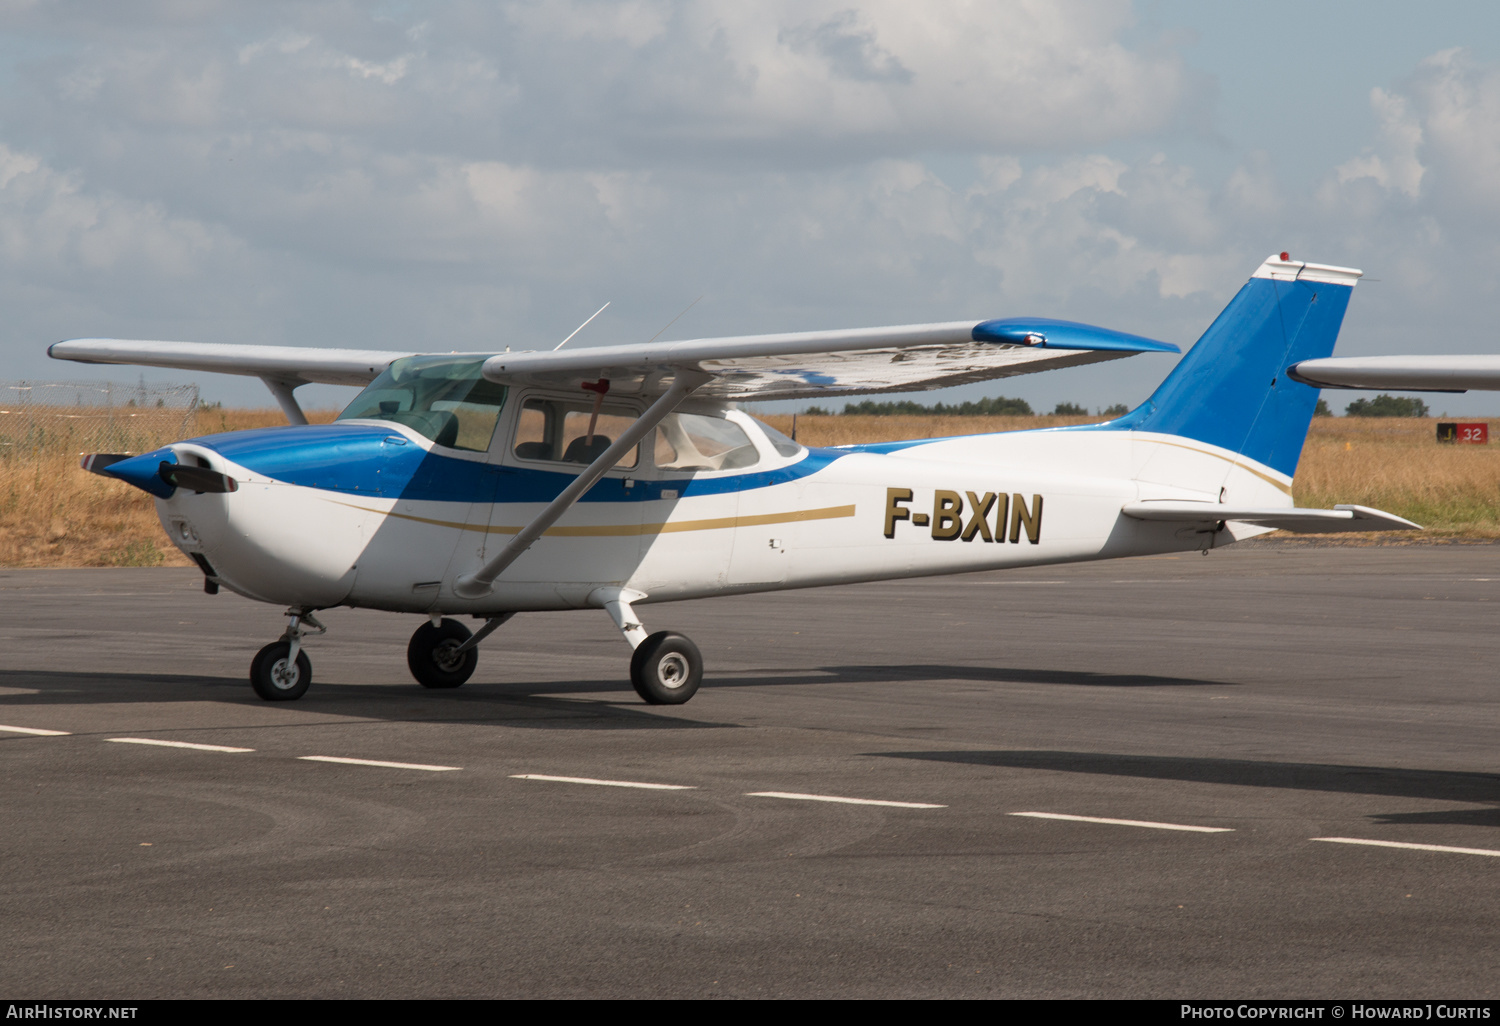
(295, 366)
(814, 364)
(1304, 521)
(282, 368)
(1401, 373)
(786, 366)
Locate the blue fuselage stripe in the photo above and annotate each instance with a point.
(363, 459)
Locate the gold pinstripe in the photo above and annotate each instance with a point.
(1286, 489)
(627, 530)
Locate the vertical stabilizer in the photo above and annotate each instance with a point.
(1231, 390)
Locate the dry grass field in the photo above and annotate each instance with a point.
(54, 514)
(1397, 465)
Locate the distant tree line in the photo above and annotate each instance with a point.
(1380, 406)
(1003, 406)
(999, 406)
(1387, 406)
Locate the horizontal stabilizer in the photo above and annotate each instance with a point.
(1304, 521)
(1402, 373)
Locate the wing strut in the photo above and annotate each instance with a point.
(481, 582)
(284, 393)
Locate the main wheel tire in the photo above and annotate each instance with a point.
(430, 655)
(276, 678)
(666, 669)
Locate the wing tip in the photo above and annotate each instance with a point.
(1055, 334)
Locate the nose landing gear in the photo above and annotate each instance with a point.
(281, 671)
(277, 675)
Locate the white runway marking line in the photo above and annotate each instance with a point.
(604, 783)
(376, 762)
(37, 731)
(842, 801)
(176, 744)
(1128, 822)
(1404, 844)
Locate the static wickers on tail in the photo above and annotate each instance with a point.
(486, 484)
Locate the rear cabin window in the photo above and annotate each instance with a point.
(780, 442)
(444, 399)
(558, 430)
(695, 441)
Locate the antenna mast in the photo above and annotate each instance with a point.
(576, 330)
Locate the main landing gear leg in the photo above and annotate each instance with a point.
(443, 654)
(666, 668)
(281, 671)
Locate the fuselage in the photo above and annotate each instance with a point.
(376, 514)
(493, 483)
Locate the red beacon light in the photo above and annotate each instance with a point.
(1286, 258)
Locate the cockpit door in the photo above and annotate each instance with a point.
(475, 542)
(440, 493)
(551, 439)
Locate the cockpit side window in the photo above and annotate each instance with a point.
(558, 430)
(695, 441)
(446, 400)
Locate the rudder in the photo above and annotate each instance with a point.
(1231, 390)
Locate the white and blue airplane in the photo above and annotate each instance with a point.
(486, 484)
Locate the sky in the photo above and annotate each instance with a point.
(474, 175)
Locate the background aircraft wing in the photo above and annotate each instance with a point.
(1305, 521)
(812, 364)
(1401, 373)
(294, 366)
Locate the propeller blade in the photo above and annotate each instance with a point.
(197, 479)
(95, 462)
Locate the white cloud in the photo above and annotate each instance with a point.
(314, 173)
(1438, 138)
(1394, 162)
(53, 228)
(1421, 204)
(586, 82)
(1457, 102)
(883, 76)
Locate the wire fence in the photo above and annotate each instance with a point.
(92, 416)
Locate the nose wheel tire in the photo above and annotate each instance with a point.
(666, 669)
(277, 678)
(432, 659)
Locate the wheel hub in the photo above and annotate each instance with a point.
(446, 656)
(284, 674)
(672, 671)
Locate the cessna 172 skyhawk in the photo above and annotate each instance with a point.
(611, 477)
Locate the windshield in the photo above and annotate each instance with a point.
(447, 400)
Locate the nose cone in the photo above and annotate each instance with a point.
(144, 472)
